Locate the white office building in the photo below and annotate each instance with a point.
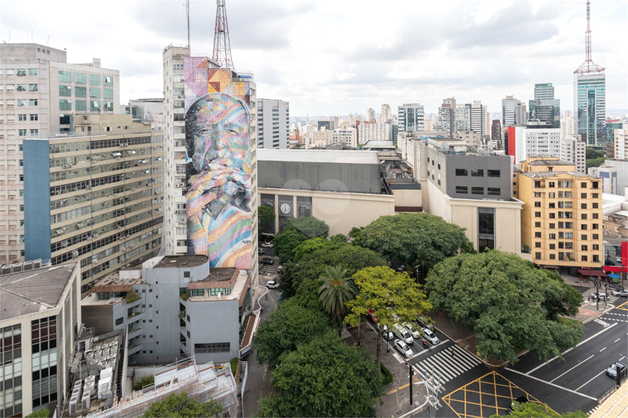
(273, 124)
(373, 131)
(411, 117)
(573, 150)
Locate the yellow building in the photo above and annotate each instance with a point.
(561, 220)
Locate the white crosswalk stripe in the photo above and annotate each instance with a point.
(593, 410)
(446, 366)
(592, 291)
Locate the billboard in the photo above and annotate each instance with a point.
(218, 164)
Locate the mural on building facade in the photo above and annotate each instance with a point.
(218, 165)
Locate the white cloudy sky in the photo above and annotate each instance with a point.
(343, 56)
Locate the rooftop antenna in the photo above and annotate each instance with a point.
(588, 66)
(187, 12)
(222, 44)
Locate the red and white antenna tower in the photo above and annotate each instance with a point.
(588, 66)
(222, 44)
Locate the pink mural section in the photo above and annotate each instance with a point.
(218, 164)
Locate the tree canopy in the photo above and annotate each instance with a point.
(324, 378)
(285, 329)
(413, 238)
(300, 278)
(40, 413)
(391, 297)
(508, 303)
(537, 410)
(308, 226)
(175, 406)
(296, 231)
(335, 291)
(265, 220)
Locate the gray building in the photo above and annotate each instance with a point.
(544, 107)
(178, 308)
(447, 116)
(513, 112)
(143, 110)
(273, 124)
(40, 316)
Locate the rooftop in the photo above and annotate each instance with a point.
(219, 274)
(549, 162)
(33, 290)
(540, 174)
(318, 156)
(182, 261)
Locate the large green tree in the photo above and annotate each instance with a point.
(414, 239)
(175, 406)
(265, 220)
(324, 378)
(537, 410)
(390, 296)
(336, 290)
(285, 329)
(300, 279)
(509, 303)
(296, 231)
(309, 226)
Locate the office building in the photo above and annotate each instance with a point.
(611, 125)
(621, 144)
(622, 172)
(544, 107)
(273, 120)
(566, 126)
(40, 318)
(386, 115)
(373, 131)
(411, 117)
(513, 112)
(573, 150)
(561, 220)
(95, 198)
(342, 188)
(608, 176)
(40, 94)
(479, 118)
(447, 116)
(181, 308)
(531, 141)
(347, 137)
(370, 115)
(206, 94)
(590, 105)
(496, 130)
(144, 110)
(463, 117)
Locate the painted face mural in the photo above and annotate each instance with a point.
(218, 168)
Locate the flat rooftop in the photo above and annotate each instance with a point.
(540, 174)
(318, 156)
(219, 274)
(33, 291)
(182, 261)
(549, 162)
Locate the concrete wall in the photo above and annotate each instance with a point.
(101, 317)
(622, 172)
(355, 178)
(207, 325)
(408, 197)
(37, 199)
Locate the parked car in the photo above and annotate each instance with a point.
(279, 268)
(520, 399)
(373, 317)
(414, 331)
(388, 335)
(621, 292)
(260, 251)
(403, 348)
(422, 322)
(272, 285)
(267, 260)
(602, 296)
(403, 334)
(430, 336)
(268, 244)
(613, 368)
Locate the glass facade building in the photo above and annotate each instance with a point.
(590, 107)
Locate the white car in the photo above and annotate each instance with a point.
(403, 334)
(272, 285)
(430, 336)
(387, 334)
(267, 244)
(602, 296)
(622, 292)
(403, 348)
(413, 331)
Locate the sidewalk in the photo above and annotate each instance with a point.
(396, 401)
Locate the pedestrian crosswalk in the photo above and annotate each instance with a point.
(588, 295)
(593, 410)
(446, 366)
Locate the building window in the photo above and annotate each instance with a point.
(583, 185)
(583, 216)
(537, 256)
(595, 216)
(477, 172)
(552, 246)
(552, 205)
(439, 166)
(537, 194)
(584, 248)
(552, 236)
(80, 105)
(212, 348)
(596, 247)
(552, 226)
(537, 204)
(461, 172)
(552, 256)
(34, 117)
(594, 185)
(552, 184)
(33, 102)
(494, 191)
(65, 91)
(584, 237)
(94, 79)
(537, 184)
(477, 190)
(552, 215)
(537, 224)
(594, 205)
(79, 78)
(32, 87)
(493, 173)
(80, 91)
(65, 104)
(552, 195)
(94, 93)
(108, 80)
(595, 195)
(21, 117)
(537, 235)
(537, 245)
(65, 77)
(595, 226)
(583, 227)
(108, 107)
(32, 71)
(537, 214)
(583, 205)
(584, 258)
(596, 258)
(107, 93)
(186, 274)
(583, 195)
(94, 105)
(21, 132)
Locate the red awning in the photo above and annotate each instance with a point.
(597, 273)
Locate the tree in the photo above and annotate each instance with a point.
(309, 246)
(40, 413)
(414, 239)
(265, 220)
(595, 162)
(308, 226)
(537, 410)
(508, 303)
(285, 329)
(335, 291)
(300, 279)
(182, 406)
(324, 378)
(390, 296)
(285, 244)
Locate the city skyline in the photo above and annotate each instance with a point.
(325, 58)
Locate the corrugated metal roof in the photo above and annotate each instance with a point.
(33, 290)
(318, 156)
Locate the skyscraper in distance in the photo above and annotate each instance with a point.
(411, 117)
(590, 96)
(544, 107)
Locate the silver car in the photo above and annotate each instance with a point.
(430, 336)
(622, 293)
(614, 368)
(403, 348)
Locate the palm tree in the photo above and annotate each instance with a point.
(337, 289)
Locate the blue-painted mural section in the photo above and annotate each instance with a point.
(36, 199)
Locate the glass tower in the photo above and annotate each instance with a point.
(590, 107)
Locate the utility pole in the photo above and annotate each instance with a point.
(597, 295)
(411, 373)
(187, 12)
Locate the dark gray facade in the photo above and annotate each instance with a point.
(470, 176)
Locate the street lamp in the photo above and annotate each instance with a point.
(410, 374)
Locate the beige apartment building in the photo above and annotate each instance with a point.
(561, 219)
